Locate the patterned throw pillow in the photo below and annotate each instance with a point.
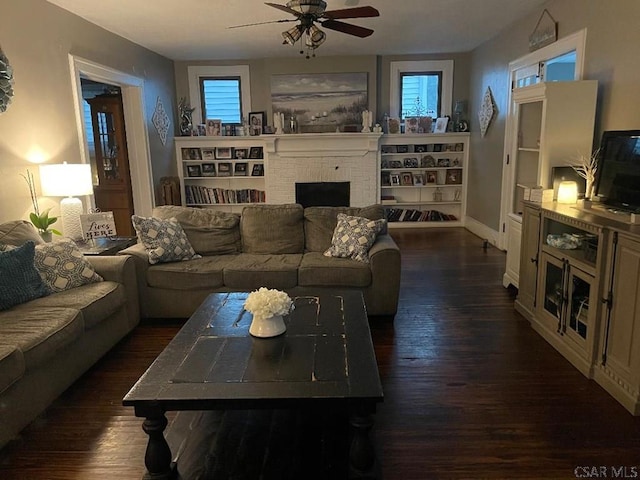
(164, 240)
(353, 237)
(62, 266)
(19, 279)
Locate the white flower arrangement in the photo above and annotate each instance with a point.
(266, 303)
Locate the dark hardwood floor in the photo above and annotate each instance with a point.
(471, 391)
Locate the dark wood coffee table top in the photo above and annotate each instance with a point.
(214, 363)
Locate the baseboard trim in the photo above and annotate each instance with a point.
(481, 230)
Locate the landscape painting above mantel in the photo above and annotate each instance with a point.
(321, 102)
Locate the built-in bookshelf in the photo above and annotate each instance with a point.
(221, 172)
(423, 178)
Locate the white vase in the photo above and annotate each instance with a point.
(267, 327)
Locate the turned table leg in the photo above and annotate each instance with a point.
(361, 452)
(157, 457)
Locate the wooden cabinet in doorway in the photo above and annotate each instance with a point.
(113, 191)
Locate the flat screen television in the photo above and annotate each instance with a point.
(618, 175)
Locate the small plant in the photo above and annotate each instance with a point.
(41, 220)
(587, 168)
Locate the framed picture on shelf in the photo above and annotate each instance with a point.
(240, 169)
(425, 124)
(257, 170)
(395, 179)
(427, 161)
(410, 124)
(407, 179)
(224, 169)
(441, 125)
(395, 163)
(213, 127)
(389, 149)
(208, 169)
(223, 153)
(430, 177)
(411, 163)
(385, 179)
(257, 120)
(402, 148)
(255, 152)
(418, 179)
(419, 148)
(240, 153)
(394, 125)
(194, 171)
(191, 154)
(444, 162)
(208, 154)
(454, 176)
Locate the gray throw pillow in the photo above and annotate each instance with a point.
(353, 237)
(164, 240)
(63, 266)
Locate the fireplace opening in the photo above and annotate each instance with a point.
(323, 194)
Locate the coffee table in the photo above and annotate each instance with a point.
(325, 360)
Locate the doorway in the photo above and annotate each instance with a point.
(135, 126)
(108, 152)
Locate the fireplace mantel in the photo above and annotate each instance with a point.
(322, 157)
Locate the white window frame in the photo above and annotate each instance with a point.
(196, 72)
(417, 66)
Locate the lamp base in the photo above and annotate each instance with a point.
(70, 210)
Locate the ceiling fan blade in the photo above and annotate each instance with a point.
(356, 12)
(283, 8)
(347, 28)
(264, 23)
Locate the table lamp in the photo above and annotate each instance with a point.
(568, 192)
(68, 180)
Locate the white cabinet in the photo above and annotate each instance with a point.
(550, 124)
(512, 264)
(423, 179)
(618, 369)
(529, 258)
(221, 172)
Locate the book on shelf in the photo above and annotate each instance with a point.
(415, 215)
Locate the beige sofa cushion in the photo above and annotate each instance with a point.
(11, 366)
(272, 229)
(202, 273)
(320, 271)
(249, 271)
(320, 222)
(41, 332)
(16, 232)
(96, 301)
(210, 232)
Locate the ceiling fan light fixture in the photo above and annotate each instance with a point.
(315, 37)
(292, 35)
(308, 7)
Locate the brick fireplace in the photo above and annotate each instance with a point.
(323, 157)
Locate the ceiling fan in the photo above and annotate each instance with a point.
(310, 12)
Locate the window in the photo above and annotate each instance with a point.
(219, 92)
(420, 94)
(221, 99)
(429, 80)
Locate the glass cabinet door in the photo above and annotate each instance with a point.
(578, 318)
(108, 148)
(554, 291)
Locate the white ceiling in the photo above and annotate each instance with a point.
(197, 29)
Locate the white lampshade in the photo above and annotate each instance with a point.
(568, 192)
(68, 180)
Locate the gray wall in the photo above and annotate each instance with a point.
(37, 37)
(611, 58)
(377, 68)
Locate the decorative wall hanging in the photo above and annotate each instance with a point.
(161, 121)
(546, 32)
(321, 102)
(486, 111)
(6, 82)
